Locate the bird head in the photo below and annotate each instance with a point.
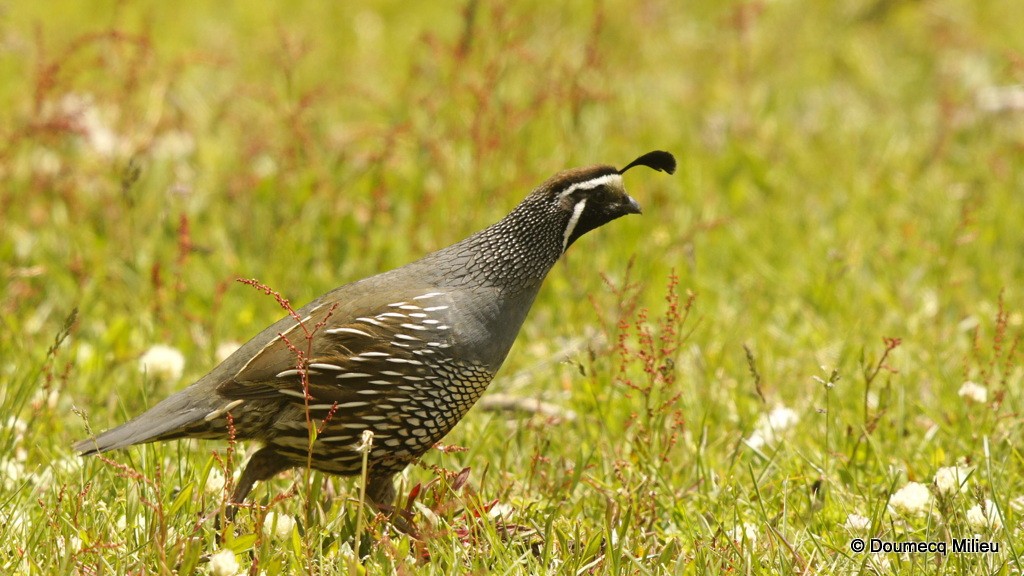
(593, 196)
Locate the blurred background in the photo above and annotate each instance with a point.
(848, 171)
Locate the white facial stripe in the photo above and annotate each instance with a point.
(592, 183)
(573, 220)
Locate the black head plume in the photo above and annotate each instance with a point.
(659, 160)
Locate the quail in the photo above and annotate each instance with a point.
(403, 354)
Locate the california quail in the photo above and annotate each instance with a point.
(404, 353)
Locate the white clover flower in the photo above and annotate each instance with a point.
(12, 473)
(857, 523)
(930, 303)
(985, 518)
(174, 145)
(69, 545)
(951, 479)
(16, 520)
(17, 530)
(745, 532)
(162, 362)
(58, 470)
(757, 440)
(138, 524)
(879, 564)
(782, 418)
(225, 349)
(278, 526)
(43, 397)
(973, 392)
(872, 400)
(223, 563)
(996, 99)
(770, 426)
(264, 166)
(94, 127)
(214, 481)
(17, 427)
(68, 465)
(84, 353)
(502, 510)
(914, 498)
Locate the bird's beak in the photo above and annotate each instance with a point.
(632, 207)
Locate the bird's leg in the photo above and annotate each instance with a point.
(263, 465)
(380, 491)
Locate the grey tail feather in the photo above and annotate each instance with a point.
(171, 418)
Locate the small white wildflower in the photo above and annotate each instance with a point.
(163, 362)
(745, 532)
(998, 99)
(43, 479)
(174, 145)
(782, 418)
(879, 564)
(84, 353)
(278, 526)
(225, 349)
(17, 427)
(503, 511)
(68, 465)
(930, 303)
(973, 392)
(264, 166)
(857, 523)
(16, 520)
(223, 563)
(18, 527)
(1017, 504)
(985, 518)
(214, 481)
(43, 397)
(138, 524)
(12, 473)
(770, 426)
(872, 400)
(58, 471)
(914, 498)
(92, 124)
(756, 440)
(366, 443)
(69, 545)
(951, 479)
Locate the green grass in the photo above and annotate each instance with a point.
(847, 177)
